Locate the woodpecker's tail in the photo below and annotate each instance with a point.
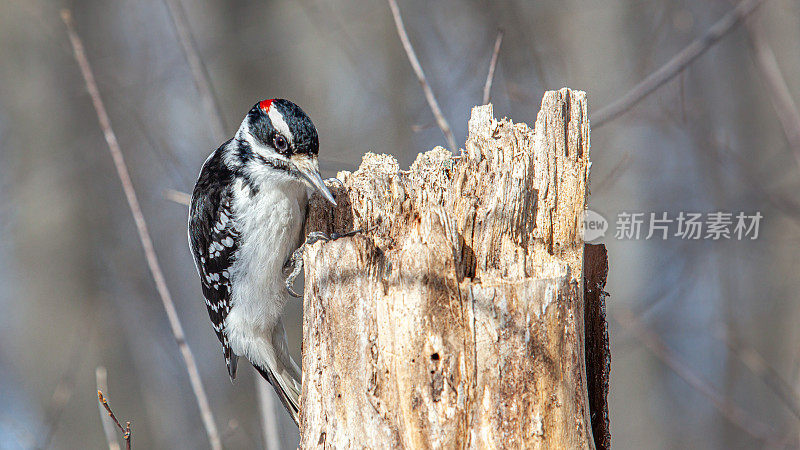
(289, 398)
(283, 374)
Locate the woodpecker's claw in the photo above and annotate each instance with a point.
(295, 262)
(334, 180)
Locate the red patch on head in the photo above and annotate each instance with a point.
(265, 105)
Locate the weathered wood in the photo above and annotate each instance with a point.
(458, 321)
(598, 355)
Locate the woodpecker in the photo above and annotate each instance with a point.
(245, 223)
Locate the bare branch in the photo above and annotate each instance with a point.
(199, 70)
(126, 430)
(179, 197)
(412, 58)
(61, 396)
(62, 393)
(678, 62)
(144, 234)
(203, 83)
(201, 80)
(768, 375)
(487, 88)
(729, 410)
(269, 423)
(619, 168)
(779, 94)
(101, 377)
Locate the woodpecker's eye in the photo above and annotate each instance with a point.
(280, 143)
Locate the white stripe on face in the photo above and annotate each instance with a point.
(264, 150)
(277, 121)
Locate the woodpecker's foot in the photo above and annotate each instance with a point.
(335, 180)
(295, 262)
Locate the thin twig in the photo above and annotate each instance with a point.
(269, 422)
(214, 112)
(230, 430)
(101, 377)
(619, 168)
(487, 88)
(64, 389)
(732, 159)
(768, 375)
(412, 58)
(729, 410)
(421, 127)
(179, 197)
(779, 94)
(678, 62)
(199, 70)
(61, 396)
(126, 430)
(144, 234)
(328, 24)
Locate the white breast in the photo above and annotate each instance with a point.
(270, 225)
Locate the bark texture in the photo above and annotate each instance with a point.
(598, 355)
(457, 319)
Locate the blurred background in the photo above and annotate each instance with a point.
(704, 333)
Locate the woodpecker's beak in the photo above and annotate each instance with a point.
(309, 168)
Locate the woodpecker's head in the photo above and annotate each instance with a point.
(277, 137)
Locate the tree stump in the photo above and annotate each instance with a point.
(457, 319)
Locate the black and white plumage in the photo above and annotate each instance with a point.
(246, 218)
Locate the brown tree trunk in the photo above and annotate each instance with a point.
(457, 320)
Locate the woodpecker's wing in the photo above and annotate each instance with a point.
(214, 241)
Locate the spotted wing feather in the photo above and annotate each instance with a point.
(214, 241)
